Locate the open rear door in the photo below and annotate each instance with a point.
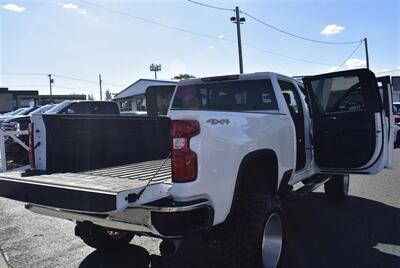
(349, 126)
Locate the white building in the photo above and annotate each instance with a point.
(133, 97)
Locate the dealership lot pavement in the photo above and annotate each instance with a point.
(362, 232)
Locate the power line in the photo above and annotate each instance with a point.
(83, 80)
(352, 53)
(276, 28)
(54, 85)
(73, 88)
(74, 78)
(210, 6)
(152, 21)
(23, 74)
(60, 76)
(26, 86)
(200, 34)
(288, 57)
(298, 36)
(285, 32)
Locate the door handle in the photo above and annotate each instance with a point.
(331, 118)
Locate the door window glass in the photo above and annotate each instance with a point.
(339, 94)
(291, 97)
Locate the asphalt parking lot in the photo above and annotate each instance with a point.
(364, 231)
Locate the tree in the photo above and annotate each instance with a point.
(90, 97)
(108, 95)
(183, 77)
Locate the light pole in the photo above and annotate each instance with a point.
(155, 68)
(101, 89)
(51, 81)
(366, 52)
(238, 20)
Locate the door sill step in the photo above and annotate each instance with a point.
(310, 185)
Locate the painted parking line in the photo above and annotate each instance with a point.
(3, 260)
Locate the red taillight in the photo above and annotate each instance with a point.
(31, 147)
(184, 161)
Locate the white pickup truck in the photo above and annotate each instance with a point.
(238, 145)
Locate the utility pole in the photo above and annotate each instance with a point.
(155, 68)
(51, 81)
(366, 52)
(238, 20)
(101, 92)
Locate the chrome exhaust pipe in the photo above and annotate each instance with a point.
(169, 247)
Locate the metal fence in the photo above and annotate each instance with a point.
(15, 135)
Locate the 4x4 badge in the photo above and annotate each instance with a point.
(214, 121)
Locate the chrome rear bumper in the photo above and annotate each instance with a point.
(163, 218)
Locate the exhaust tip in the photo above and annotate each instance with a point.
(168, 248)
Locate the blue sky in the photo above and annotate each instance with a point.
(77, 39)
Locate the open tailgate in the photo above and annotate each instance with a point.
(95, 191)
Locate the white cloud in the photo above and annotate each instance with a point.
(398, 67)
(82, 11)
(354, 63)
(333, 68)
(13, 7)
(211, 47)
(384, 70)
(220, 36)
(75, 7)
(70, 6)
(332, 29)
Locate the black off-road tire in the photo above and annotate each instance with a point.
(242, 237)
(337, 188)
(101, 238)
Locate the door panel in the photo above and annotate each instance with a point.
(385, 88)
(292, 99)
(346, 110)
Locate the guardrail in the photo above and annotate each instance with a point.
(15, 136)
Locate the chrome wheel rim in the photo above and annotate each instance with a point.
(346, 184)
(272, 241)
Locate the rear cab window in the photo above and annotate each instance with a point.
(93, 108)
(246, 95)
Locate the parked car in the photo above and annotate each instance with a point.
(396, 115)
(85, 107)
(396, 110)
(20, 122)
(12, 112)
(18, 112)
(19, 155)
(231, 149)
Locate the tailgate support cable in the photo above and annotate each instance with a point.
(134, 197)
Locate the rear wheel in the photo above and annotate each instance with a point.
(337, 188)
(254, 236)
(101, 238)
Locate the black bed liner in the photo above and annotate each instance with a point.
(95, 191)
(76, 143)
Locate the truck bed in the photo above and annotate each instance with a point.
(76, 143)
(94, 191)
